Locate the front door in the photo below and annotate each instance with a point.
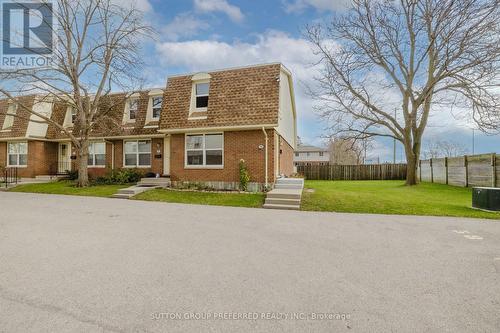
(64, 164)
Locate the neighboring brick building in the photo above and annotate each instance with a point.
(195, 130)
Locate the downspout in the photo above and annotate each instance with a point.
(265, 157)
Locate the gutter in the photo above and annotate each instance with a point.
(266, 157)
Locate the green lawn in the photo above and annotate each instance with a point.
(204, 198)
(390, 197)
(68, 188)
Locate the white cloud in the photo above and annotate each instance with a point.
(223, 6)
(298, 6)
(183, 25)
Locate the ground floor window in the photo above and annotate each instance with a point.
(204, 149)
(138, 153)
(97, 154)
(18, 154)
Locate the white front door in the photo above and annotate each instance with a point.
(64, 160)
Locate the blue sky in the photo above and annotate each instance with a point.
(199, 35)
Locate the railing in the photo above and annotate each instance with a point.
(60, 168)
(353, 172)
(9, 176)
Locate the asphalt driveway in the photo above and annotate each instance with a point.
(79, 264)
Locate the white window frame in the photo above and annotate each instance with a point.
(132, 99)
(8, 155)
(93, 165)
(153, 107)
(137, 166)
(199, 79)
(204, 165)
(8, 122)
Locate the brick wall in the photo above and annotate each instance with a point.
(237, 145)
(42, 158)
(286, 158)
(156, 163)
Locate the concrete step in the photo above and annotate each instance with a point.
(285, 194)
(162, 182)
(286, 207)
(296, 181)
(288, 186)
(281, 201)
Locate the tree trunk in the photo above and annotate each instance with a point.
(412, 158)
(83, 174)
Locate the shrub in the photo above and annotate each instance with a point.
(150, 175)
(120, 176)
(244, 175)
(73, 175)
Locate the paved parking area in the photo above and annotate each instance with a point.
(79, 264)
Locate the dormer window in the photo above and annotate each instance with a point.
(157, 103)
(9, 117)
(199, 96)
(202, 95)
(73, 115)
(133, 107)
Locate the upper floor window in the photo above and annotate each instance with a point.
(133, 108)
(202, 95)
(157, 103)
(73, 115)
(9, 117)
(296, 154)
(18, 154)
(321, 153)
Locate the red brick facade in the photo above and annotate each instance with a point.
(241, 102)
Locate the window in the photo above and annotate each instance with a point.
(296, 154)
(18, 154)
(73, 115)
(97, 154)
(133, 106)
(9, 117)
(321, 153)
(138, 153)
(202, 95)
(157, 102)
(308, 154)
(204, 150)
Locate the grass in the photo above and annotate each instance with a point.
(67, 187)
(204, 198)
(391, 197)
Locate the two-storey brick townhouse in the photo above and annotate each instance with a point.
(197, 129)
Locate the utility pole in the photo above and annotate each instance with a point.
(473, 141)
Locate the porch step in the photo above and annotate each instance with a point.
(285, 194)
(290, 181)
(161, 182)
(288, 186)
(50, 177)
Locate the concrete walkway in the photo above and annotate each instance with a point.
(80, 264)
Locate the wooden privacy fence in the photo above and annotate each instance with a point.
(353, 172)
(473, 170)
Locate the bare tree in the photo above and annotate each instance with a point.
(347, 151)
(443, 148)
(386, 66)
(97, 51)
